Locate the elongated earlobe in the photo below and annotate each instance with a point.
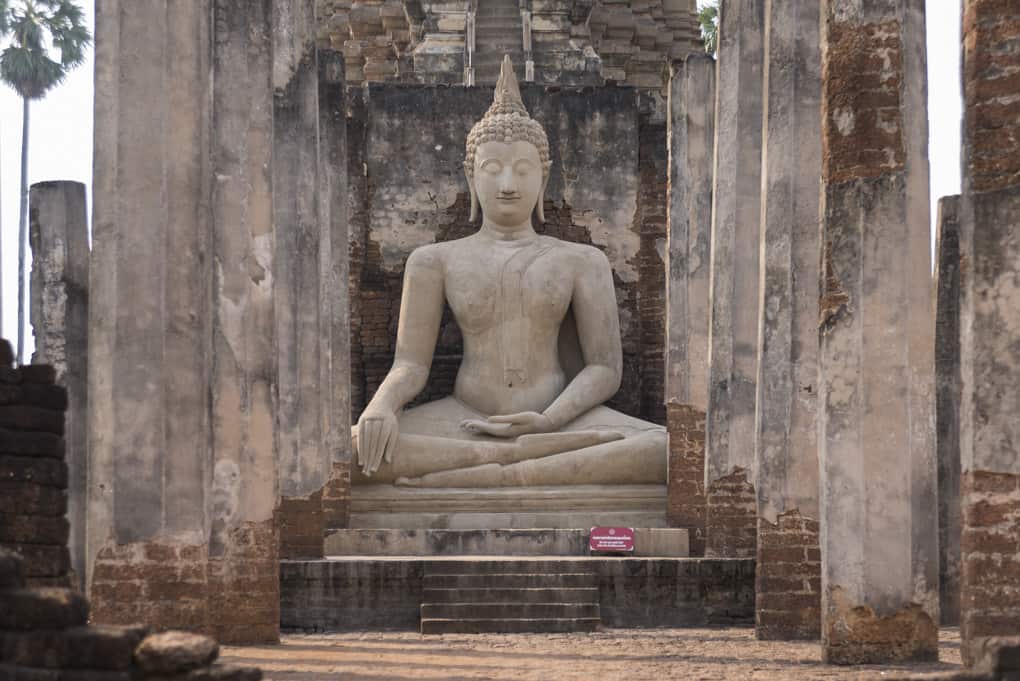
(541, 202)
(474, 199)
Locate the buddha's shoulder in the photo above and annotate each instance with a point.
(429, 255)
(583, 253)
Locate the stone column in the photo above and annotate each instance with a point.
(689, 217)
(733, 335)
(876, 439)
(334, 282)
(990, 321)
(947, 404)
(304, 457)
(58, 234)
(244, 602)
(788, 588)
(182, 484)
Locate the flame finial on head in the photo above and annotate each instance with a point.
(507, 99)
(506, 121)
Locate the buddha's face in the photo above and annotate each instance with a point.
(508, 181)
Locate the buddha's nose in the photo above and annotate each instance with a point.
(507, 185)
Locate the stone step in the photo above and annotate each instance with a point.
(499, 30)
(509, 626)
(510, 581)
(528, 595)
(498, 8)
(508, 610)
(490, 565)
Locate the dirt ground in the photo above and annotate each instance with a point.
(610, 655)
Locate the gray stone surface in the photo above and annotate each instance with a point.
(58, 235)
(354, 594)
(947, 404)
(877, 446)
(736, 221)
(581, 506)
(691, 139)
(672, 542)
(785, 447)
(301, 234)
(150, 277)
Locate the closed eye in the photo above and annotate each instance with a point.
(492, 165)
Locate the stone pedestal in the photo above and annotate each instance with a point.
(990, 321)
(182, 486)
(689, 214)
(786, 447)
(733, 337)
(877, 445)
(58, 234)
(947, 404)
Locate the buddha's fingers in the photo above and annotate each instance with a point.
(546, 444)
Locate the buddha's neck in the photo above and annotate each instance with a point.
(519, 232)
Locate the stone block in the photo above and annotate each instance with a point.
(27, 609)
(39, 471)
(174, 652)
(31, 443)
(27, 498)
(11, 570)
(33, 529)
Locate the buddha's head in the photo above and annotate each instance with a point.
(507, 163)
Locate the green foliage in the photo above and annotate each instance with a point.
(708, 16)
(47, 38)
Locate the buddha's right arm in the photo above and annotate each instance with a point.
(421, 310)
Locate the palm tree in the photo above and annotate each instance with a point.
(38, 30)
(708, 16)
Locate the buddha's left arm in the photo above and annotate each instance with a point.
(598, 328)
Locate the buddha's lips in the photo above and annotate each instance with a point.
(509, 198)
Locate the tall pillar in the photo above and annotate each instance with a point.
(990, 321)
(689, 217)
(947, 404)
(302, 232)
(334, 282)
(876, 439)
(182, 486)
(58, 234)
(788, 588)
(733, 335)
(244, 601)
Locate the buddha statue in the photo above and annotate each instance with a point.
(542, 349)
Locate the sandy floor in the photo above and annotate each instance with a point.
(631, 654)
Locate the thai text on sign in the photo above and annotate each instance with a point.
(611, 539)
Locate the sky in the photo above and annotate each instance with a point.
(61, 139)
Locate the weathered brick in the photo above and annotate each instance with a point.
(41, 560)
(33, 529)
(25, 417)
(26, 609)
(32, 499)
(30, 443)
(49, 472)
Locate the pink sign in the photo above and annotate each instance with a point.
(610, 539)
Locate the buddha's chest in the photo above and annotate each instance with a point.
(529, 286)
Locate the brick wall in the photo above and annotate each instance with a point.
(990, 569)
(33, 472)
(731, 517)
(686, 504)
(788, 584)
